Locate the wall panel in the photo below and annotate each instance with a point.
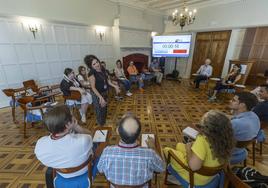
(44, 58)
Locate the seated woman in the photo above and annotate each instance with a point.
(120, 75)
(256, 91)
(212, 147)
(113, 80)
(82, 77)
(228, 82)
(134, 75)
(70, 83)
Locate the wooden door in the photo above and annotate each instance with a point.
(211, 45)
(201, 50)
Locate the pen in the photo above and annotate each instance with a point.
(102, 133)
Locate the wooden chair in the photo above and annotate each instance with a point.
(13, 94)
(263, 125)
(131, 186)
(23, 102)
(205, 171)
(232, 179)
(31, 84)
(75, 169)
(245, 144)
(75, 95)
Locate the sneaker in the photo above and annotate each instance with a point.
(212, 99)
(84, 119)
(128, 94)
(118, 98)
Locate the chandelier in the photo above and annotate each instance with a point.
(185, 17)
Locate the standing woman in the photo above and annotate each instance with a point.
(99, 82)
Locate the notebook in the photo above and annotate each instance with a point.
(192, 133)
(144, 138)
(100, 136)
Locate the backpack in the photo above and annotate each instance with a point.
(252, 177)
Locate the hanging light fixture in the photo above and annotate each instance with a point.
(185, 17)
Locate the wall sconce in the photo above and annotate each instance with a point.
(32, 24)
(33, 29)
(153, 33)
(100, 30)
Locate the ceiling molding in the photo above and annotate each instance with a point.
(162, 7)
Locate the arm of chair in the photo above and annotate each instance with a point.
(171, 154)
(102, 145)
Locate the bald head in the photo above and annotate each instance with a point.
(207, 61)
(129, 128)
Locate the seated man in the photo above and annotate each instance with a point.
(154, 67)
(134, 75)
(67, 146)
(245, 123)
(203, 73)
(127, 163)
(262, 108)
(257, 90)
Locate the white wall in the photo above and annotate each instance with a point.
(43, 59)
(66, 36)
(235, 16)
(240, 14)
(92, 12)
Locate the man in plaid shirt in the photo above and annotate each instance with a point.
(127, 163)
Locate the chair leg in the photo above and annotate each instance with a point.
(260, 148)
(24, 124)
(253, 152)
(166, 176)
(245, 162)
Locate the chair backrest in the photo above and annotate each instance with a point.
(9, 92)
(30, 84)
(75, 169)
(75, 95)
(131, 186)
(205, 171)
(244, 144)
(24, 100)
(264, 124)
(231, 178)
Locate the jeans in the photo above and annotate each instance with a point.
(136, 78)
(126, 84)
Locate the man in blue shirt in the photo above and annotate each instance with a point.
(245, 123)
(154, 67)
(128, 163)
(262, 108)
(203, 73)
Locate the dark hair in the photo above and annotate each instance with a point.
(249, 99)
(56, 119)
(80, 68)
(217, 128)
(125, 136)
(68, 71)
(239, 68)
(89, 59)
(119, 61)
(265, 86)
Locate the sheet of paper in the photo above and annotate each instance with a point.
(144, 138)
(100, 136)
(192, 133)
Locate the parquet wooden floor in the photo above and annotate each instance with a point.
(164, 110)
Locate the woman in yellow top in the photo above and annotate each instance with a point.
(134, 75)
(212, 147)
